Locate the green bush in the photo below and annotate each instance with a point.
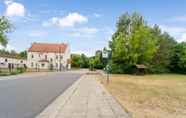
(158, 69)
(20, 70)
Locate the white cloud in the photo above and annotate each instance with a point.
(179, 19)
(97, 15)
(173, 29)
(183, 38)
(8, 47)
(7, 2)
(38, 33)
(68, 21)
(178, 32)
(87, 32)
(14, 8)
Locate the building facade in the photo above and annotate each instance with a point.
(11, 62)
(45, 56)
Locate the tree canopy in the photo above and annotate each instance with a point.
(5, 27)
(135, 42)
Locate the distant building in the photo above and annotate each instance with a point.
(11, 62)
(45, 56)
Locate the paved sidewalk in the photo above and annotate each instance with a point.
(87, 98)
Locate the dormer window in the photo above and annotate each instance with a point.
(6, 60)
(61, 57)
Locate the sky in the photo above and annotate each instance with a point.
(86, 25)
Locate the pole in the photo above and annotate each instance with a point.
(107, 77)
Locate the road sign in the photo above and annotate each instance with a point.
(105, 54)
(108, 70)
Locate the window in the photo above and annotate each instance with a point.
(56, 57)
(32, 56)
(6, 60)
(2, 63)
(43, 65)
(61, 57)
(51, 59)
(32, 64)
(56, 65)
(46, 57)
(21, 61)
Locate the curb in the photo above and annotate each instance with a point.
(54, 108)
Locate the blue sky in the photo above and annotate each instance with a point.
(87, 25)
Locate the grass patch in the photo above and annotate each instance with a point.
(150, 96)
(14, 72)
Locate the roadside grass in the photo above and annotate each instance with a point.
(150, 96)
(14, 72)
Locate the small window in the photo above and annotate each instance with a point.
(56, 57)
(46, 57)
(32, 64)
(56, 65)
(32, 56)
(43, 65)
(6, 60)
(61, 57)
(21, 61)
(51, 59)
(2, 64)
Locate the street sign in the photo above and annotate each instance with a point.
(108, 70)
(105, 54)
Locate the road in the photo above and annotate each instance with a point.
(25, 97)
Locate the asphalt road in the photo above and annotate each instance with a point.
(26, 97)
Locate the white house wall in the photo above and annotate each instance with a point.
(37, 56)
(15, 62)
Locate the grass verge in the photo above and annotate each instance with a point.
(150, 96)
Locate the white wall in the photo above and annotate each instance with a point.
(16, 62)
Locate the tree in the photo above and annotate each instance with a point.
(92, 63)
(23, 54)
(5, 27)
(178, 59)
(75, 60)
(165, 43)
(84, 61)
(132, 43)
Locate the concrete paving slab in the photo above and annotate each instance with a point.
(87, 98)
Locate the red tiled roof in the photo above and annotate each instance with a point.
(46, 47)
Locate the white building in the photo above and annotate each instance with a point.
(45, 56)
(11, 62)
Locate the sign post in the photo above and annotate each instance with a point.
(108, 69)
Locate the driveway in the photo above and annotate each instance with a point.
(27, 96)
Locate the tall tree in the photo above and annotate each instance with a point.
(178, 59)
(165, 43)
(5, 27)
(132, 43)
(84, 61)
(23, 54)
(75, 60)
